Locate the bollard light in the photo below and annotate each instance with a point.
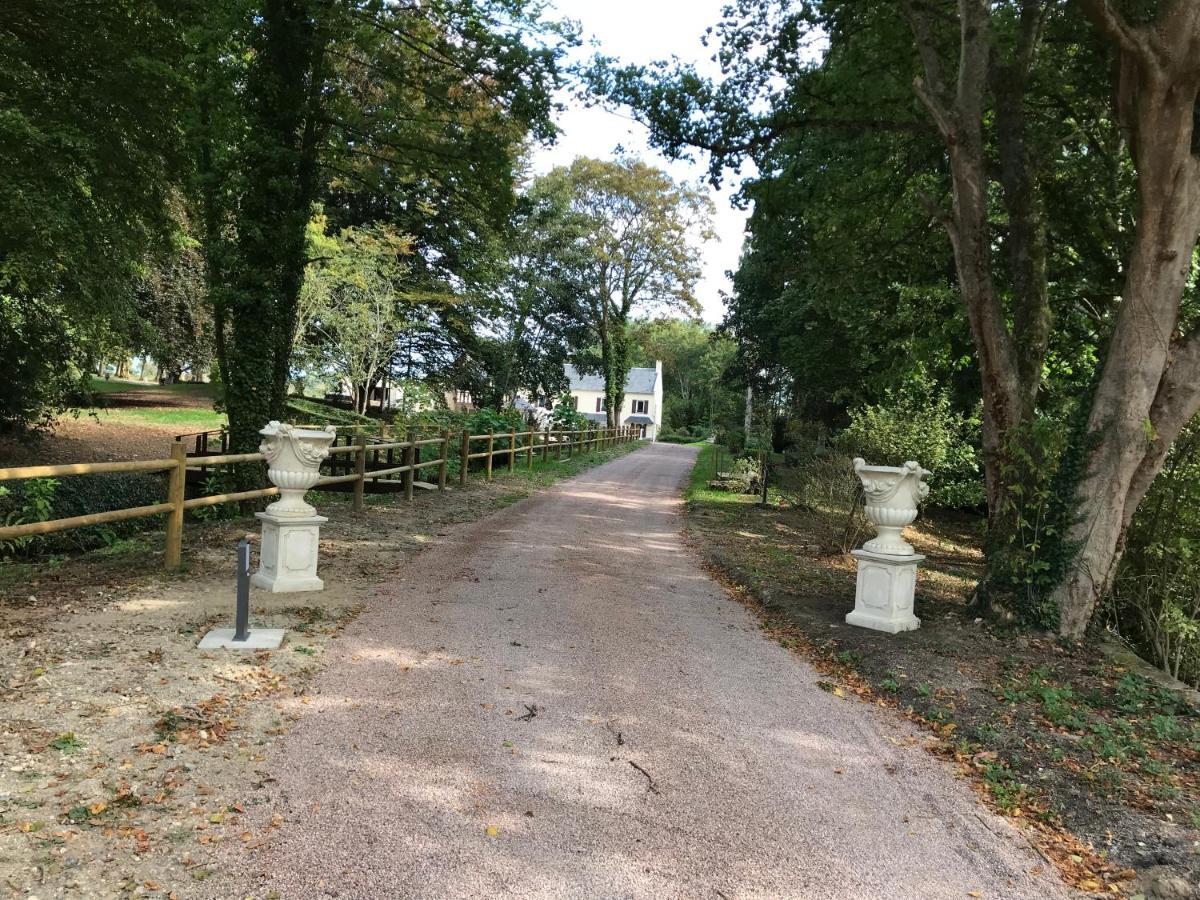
(241, 637)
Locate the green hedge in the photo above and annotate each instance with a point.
(39, 499)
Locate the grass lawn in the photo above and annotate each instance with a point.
(1100, 764)
(185, 419)
(122, 386)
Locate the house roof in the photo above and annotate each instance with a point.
(639, 381)
(594, 416)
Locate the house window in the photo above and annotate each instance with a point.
(641, 407)
(599, 404)
(574, 403)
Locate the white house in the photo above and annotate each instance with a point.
(643, 398)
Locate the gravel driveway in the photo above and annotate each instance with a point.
(557, 702)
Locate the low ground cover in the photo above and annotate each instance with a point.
(1063, 739)
(128, 753)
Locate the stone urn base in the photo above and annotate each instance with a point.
(287, 561)
(883, 599)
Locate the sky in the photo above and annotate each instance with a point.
(640, 31)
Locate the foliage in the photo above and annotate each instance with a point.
(39, 499)
(174, 321)
(43, 363)
(566, 417)
(357, 305)
(696, 362)
(527, 299)
(312, 412)
(919, 423)
(1156, 600)
(89, 148)
(407, 115)
(639, 228)
(995, 121)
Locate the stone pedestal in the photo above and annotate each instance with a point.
(287, 561)
(883, 599)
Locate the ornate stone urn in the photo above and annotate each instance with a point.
(892, 494)
(887, 565)
(291, 528)
(294, 458)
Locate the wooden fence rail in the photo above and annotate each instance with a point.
(177, 465)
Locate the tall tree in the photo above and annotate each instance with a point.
(1013, 92)
(529, 299)
(357, 305)
(89, 150)
(379, 110)
(1149, 388)
(643, 236)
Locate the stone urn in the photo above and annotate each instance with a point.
(892, 494)
(293, 464)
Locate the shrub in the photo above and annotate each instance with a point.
(919, 423)
(79, 495)
(565, 416)
(1156, 597)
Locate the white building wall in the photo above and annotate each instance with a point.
(586, 403)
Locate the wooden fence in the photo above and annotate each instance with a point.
(360, 478)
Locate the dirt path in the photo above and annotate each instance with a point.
(559, 702)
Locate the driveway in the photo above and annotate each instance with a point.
(558, 702)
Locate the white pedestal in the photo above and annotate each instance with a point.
(288, 559)
(883, 599)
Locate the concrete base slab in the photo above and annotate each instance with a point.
(256, 639)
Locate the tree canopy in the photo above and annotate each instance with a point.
(949, 189)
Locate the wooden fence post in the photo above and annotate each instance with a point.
(529, 448)
(512, 449)
(491, 444)
(360, 469)
(410, 459)
(545, 445)
(558, 446)
(175, 490)
(464, 461)
(445, 459)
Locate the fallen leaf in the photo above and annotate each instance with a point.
(492, 831)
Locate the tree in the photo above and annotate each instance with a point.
(174, 324)
(528, 299)
(642, 237)
(380, 111)
(1149, 388)
(358, 304)
(89, 151)
(1038, 212)
(695, 362)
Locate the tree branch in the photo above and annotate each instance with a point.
(1111, 23)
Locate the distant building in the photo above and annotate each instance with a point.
(643, 398)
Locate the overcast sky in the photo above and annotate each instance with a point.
(639, 31)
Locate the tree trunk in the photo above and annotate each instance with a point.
(1148, 388)
(267, 271)
(1010, 378)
